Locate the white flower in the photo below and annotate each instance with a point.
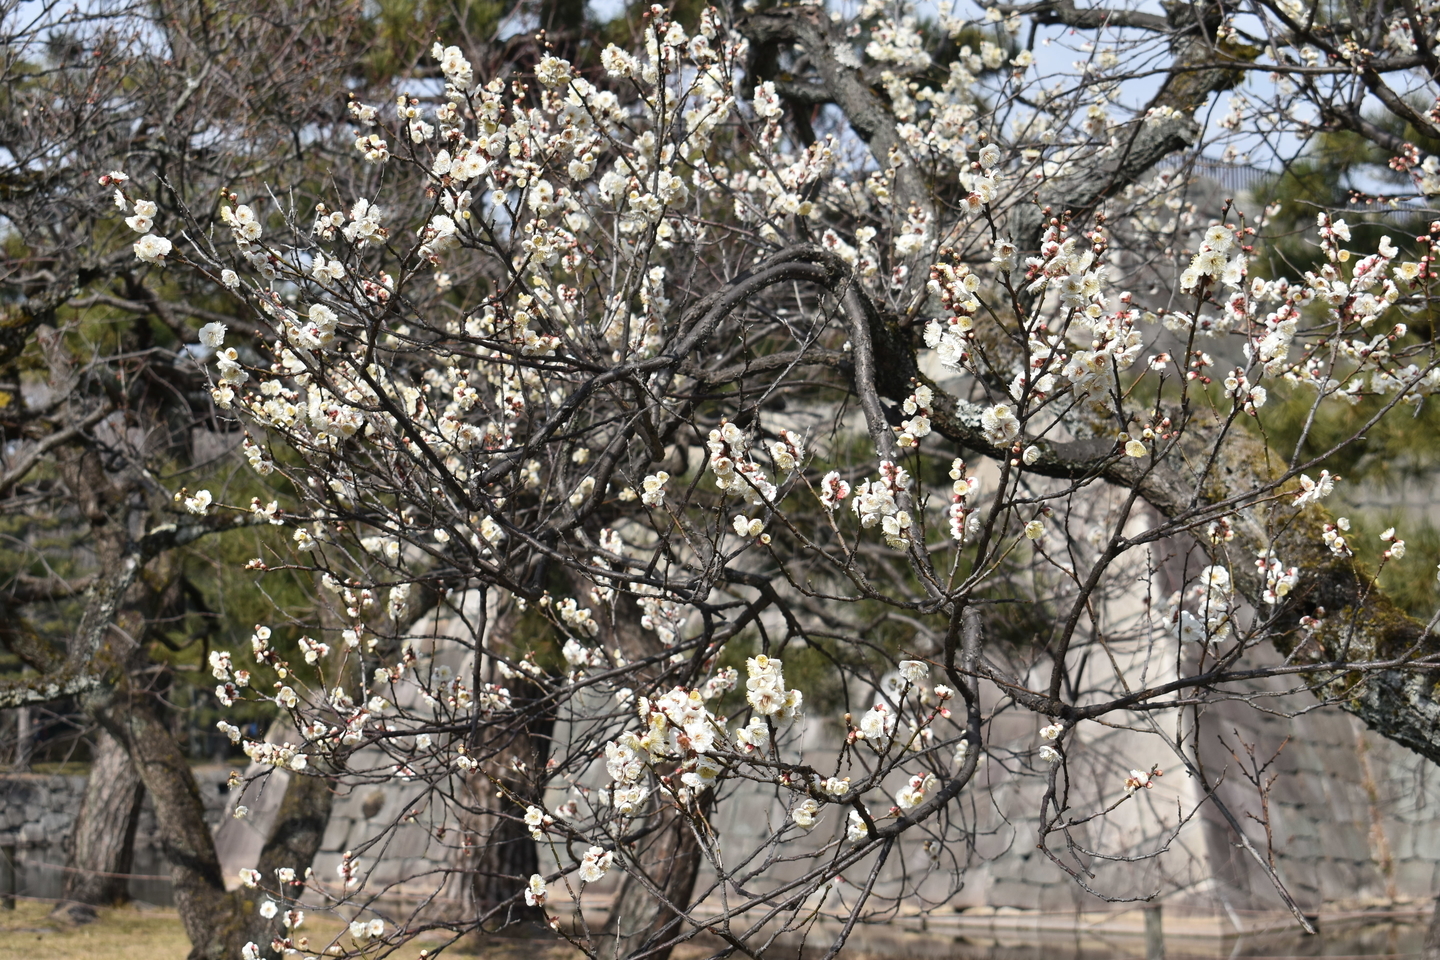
(1190, 628)
(754, 736)
(914, 671)
(618, 63)
(1049, 754)
(804, 813)
(535, 891)
(250, 952)
(1215, 580)
(552, 71)
(152, 249)
(1139, 779)
(746, 527)
(654, 489)
(249, 877)
(377, 927)
(857, 829)
(491, 531)
(594, 864)
(1052, 732)
(999, 423)
(1034, 530)
(913, 793)
(536, 819)
(423, 742)
(1313, 490)
(268, 909)
(230, 278)
(199, 503)
(212, 335)
(876, 726)
(833, 490)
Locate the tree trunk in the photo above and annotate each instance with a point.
(102, 842)
(24, 740)
(1431, 948)
(670, 860)
(207, 911)
(294, 840)
(501, 862)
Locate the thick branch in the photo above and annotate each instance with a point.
(835, 60)
(1086, 18)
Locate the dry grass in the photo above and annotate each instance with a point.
(154, 933)
(123, 933)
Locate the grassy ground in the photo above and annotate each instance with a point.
(121, 934)
(154, 933)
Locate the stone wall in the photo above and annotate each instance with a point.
(1355, 818)
(37, 812)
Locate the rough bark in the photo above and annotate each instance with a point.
(645, 913)
(294, 841)
(108, 666)
(1430, 949)
(500, 865)
(206, 910)
(662, 868)
(102, 840)
(503, 861)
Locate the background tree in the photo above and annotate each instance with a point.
(785, 337)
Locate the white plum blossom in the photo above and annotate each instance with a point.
(1140, 779)
(212, 335)
(653, 488)
(152, 249)
(833, 490)
(1314, 490)
(876, 727)
(200, 502)
(1000, 423)
(595, 863)
(914, 671)
(804, 814)
(765, 689)
(913, 794)
(748, 526)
